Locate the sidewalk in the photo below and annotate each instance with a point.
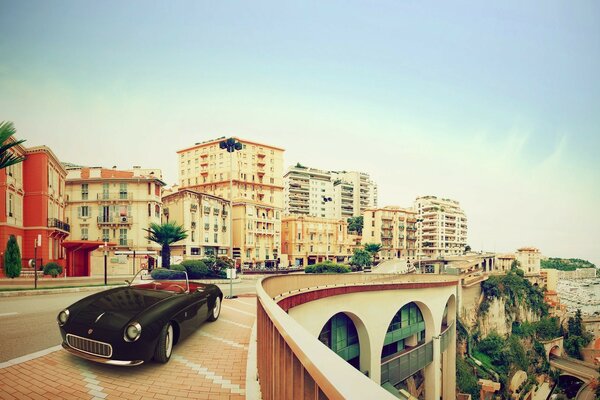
(210, 364)
(25, 286)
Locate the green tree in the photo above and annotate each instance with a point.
(361, 258)
(7, 158)
(467, 249)
(372, 248)
(12, 258)
(355, 224)
(165, 235)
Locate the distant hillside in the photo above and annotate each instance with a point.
(566, 264)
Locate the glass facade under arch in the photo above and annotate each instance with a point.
(340, 335)
(406, 331)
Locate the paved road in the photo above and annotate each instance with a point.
(29, 322)
(569, 365)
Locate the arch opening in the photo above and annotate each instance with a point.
(340, 334)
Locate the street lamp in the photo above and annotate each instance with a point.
(325, 200)
(231, 145)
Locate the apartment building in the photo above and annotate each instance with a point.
(113, 206)
(256, 171)
(308, 240)
(34, 206)
(354, 193)
(256, 174)
(441, 227)
(257, 235)
(529, 259)
(307, 192)
(204, 217)
(392, 227)
(305, 189)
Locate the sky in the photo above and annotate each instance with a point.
(494, 105)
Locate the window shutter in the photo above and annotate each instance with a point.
(79, 211)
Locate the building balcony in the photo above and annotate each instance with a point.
(121, 196)
(58, 224)
(120, 220)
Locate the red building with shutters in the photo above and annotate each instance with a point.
(34, 204)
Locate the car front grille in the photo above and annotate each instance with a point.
(89, 346)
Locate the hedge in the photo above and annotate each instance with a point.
(326, 268)
(53, 269)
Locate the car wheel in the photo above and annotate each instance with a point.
(164, 347)
(216, 311)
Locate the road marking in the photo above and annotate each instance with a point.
(8, 313)
(93, 384)
(226, 341)
(253, 304)
(29, 357)
(240, 311)
(235, 323)
(217, 379)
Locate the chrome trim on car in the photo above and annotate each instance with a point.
(90, 357)
(89, 346)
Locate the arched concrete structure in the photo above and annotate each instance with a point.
(372, 310)
(364, 343)
(554, 347)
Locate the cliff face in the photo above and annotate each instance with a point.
(499, 320)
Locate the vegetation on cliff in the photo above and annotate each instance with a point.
(565, 264)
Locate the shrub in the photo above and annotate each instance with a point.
(53, 269)
(326, 268)
(166, 274)
(199, 269)
(12, 258)
(177, 267)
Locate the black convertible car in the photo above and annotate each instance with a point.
(131, 325)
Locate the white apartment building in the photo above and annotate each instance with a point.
(441, 227)
(305, 189)
(357, 186)
(392, 227)
(304, 192)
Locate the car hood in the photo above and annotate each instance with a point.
(115, 308)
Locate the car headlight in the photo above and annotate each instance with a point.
(133, 332)
(62, 317)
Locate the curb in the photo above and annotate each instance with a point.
(17, 293)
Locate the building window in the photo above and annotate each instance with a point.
(10, 204)
(216, 237)
(84, 233)
(157, 211)
(122, 237)
(123, 191)
(105, 188)
(84, 191)
(193, 236)
(247, 253)
(84, 212)
(105, 235)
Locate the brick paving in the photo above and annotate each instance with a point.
(209, 364)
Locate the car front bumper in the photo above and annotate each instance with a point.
(109, 361)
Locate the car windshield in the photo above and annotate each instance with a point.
(162, 279)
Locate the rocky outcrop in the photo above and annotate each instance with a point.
(497, 319)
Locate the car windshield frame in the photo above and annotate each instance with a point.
(144, 275)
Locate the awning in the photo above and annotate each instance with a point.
(84, 244)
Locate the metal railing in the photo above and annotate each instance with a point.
(57, 223)
(114, 196)
(406, 364)
(121, 220)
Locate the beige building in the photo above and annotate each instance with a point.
(256, 174)
(308, 240)
(441, 227)
(257, 235)
(204, 217)
(109, 205)
(256, 171)
(392, 227)
(529, 260)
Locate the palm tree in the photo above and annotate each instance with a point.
(7, 158)
(165, 235)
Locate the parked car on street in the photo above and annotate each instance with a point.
(139, 322)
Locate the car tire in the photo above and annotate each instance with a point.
(216, 311)
(164, 347)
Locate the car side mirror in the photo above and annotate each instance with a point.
(127, 282)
